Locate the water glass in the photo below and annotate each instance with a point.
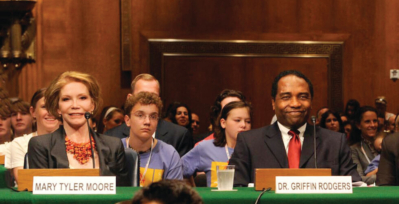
(225, 176)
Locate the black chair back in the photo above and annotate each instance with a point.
(133, 167)
(26, 162)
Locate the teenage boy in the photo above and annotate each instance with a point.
(158, 160)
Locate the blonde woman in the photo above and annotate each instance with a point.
(68, 98)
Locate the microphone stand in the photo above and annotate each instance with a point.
(87, 116)
(314, 140)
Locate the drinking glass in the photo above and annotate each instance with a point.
(225, 176)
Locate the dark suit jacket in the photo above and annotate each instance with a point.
(388, 169)
(177, 136)
(264, 148)
(49, 152)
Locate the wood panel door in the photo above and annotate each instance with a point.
(195, 72)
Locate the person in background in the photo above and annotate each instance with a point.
(5, 132)
(158, 160)
(195, 123)
(45, 123)
(390, 126)
(320, 112)
(331, 120)
(372, 169)
(350, 109)
(21, 119)
(344, 118)
(180, 114)
(225, 97)
(361, 141)
(168, 113)
(381, 123)
(378, 141)
(165, 192)
(68, 98)
(388, 169)
(348, 127)
(177, 136)
(6, 135)
(5, 124)
(234, 118)
(110, 117)
(381, 106)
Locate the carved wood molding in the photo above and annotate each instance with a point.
(331, 50)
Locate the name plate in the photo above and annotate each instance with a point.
(74, 185)
(313, 184)
(2, 159)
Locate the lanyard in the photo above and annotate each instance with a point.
(227, 152)
(365, 155)
(148, 161)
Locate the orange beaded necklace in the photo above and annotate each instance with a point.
(80, 151)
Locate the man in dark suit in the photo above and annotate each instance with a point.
(177, 136)
(388, 169)
(288, 143)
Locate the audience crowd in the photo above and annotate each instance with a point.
(52, 131)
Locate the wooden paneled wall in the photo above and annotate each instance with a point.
(77, 36)
(85, 36)
(197, 81)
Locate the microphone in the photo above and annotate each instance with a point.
(314, 140)
(87, 116)
(313, 119)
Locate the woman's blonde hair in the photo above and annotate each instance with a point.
(52, 94)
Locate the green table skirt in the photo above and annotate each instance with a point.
(3, 172)
(243, 195)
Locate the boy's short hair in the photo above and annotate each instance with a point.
(144, 98)
(20, 106)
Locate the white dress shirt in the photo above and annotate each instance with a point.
(286, 137)
(19, 147)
